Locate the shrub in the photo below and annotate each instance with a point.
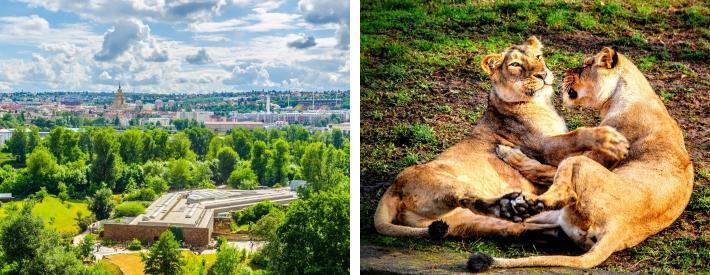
(129, 209)
(135, 245)
(255, 212)
(143, 194)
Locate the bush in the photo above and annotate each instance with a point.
(143, 194)
(255, 212)
(135, 245)
(129, 209)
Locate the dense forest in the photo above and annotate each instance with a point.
(118, 173)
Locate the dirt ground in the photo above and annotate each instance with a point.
(422, 91)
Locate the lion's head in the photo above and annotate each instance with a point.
(519, 72)
(592, 83)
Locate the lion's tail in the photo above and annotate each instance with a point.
(387, 211)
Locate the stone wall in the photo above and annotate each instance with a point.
(126, 232)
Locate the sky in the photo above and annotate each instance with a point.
(170, 46)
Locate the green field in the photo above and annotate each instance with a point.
(422, 91)
(131, 264)
(56, 214)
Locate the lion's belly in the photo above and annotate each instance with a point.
(487, 176)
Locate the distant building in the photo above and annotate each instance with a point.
(119, 102)
(158, 104)
(193, 212)
(224, 126)
(71, 101)
(162, 121)
(6, 196)
(345, 127)
(5, 135)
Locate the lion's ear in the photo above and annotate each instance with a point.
(608, 58)
(490, 62)
(534, 42)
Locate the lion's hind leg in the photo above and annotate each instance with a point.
(466, 224)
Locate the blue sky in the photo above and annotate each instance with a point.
(174, 45)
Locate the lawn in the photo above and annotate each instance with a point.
(131, 263)
(56, 214)
(422, 91)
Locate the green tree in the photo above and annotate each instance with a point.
(104, 168)
(163, 256)
(178, 174)
(87, 246)
(101, 203)
(17, 145)
(63, 194)
(280, 162)
(42, 168)
(243, 177)
(314, 238)
(265, 228)
(21, 236)
(230, 261)
(200, 139)
(216, 144)
(227, 160)
(179, 147)
(255, 212)
(260, 161)
(320, 168)
(132, 146)
(338, 138)
(242, 143)
(29, 248)
(64, 144)
(158, 184)
(33, 139)
(156, 145)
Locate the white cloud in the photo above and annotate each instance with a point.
(327, 11)
(302, 42)
(130, 35)
(199, 58)
(151, 10)
(260, 21)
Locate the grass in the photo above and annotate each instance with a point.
(131, 263)
(423, 91)
(108, 267)
(56, 214)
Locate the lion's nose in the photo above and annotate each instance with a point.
(541, 75)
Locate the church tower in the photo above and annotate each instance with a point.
(118, 101)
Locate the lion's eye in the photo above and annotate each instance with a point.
(515, 64)
(539, 56)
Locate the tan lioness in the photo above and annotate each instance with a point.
(437, 198)
(610, 210)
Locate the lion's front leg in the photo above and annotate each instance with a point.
(603, 140)
(530, 168)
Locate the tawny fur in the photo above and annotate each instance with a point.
(610, 210)
(519, 114)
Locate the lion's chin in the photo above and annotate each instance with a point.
(532, 92)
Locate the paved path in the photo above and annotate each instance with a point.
(78, 238)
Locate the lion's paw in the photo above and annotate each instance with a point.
(609, 142)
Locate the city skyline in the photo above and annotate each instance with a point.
(174, 47)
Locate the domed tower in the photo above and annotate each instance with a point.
(118, 101)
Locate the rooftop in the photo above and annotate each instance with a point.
(196, 208)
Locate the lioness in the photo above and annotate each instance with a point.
(435, 199)
(606, 211)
